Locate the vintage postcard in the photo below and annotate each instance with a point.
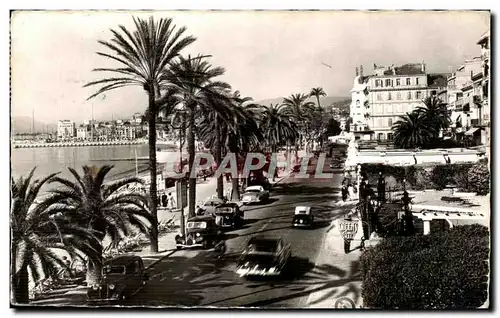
(250, 159)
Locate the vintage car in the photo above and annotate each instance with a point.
(122, 278)
(210, 205)
(303, 217)
(229, 215)
(264, 256)
(264, 182)
(201, 231)
(254, 194)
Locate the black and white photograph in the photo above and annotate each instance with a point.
(250, 159)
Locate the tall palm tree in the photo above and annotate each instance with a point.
(277, 127)
(143, 57)
(242, 136)
(317, 92)
(104, 208)
(435, 114)
(38, 228)
(299, 109)
(193, 81)
(412, 131)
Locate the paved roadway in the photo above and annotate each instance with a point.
(195, 278)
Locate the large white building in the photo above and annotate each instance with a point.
(65, 129)
(378, 100)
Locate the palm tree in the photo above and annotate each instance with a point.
(412, 131)
(192, 80)
(242, 136)
(317, 92)
(299, 109)
(38, 228)
(103, 208)
(277, 127)
(143, 57)
(435, 114)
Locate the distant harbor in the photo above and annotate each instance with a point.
(79, 143)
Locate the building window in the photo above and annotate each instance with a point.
(398, 95)
(380, 136)
(389, 96)
(408, 96)
(408, 81)
(377, 83)
(379, 96)
(398, 81)
(389, 136)
(389, 121)
(416, 81)
(388, 82)
(357, 102)
(418, 95)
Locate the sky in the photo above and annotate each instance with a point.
(265, 54)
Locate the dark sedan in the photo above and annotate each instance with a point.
(264, 256)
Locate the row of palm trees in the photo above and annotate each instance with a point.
(76, 216)
(423, 127)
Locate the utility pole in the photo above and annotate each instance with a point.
(33, 121)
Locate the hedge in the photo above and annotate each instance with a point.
(443, 270)
(467, 177)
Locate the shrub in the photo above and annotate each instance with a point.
(422, 180)
(479, 179)
(443, 270)
(387, 218)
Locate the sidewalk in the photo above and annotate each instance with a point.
(345, 281)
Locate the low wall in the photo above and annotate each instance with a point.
(410, 158)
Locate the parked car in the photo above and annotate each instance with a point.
(210, 205)
(264, 182)
(303, 217)
(229, 215)
(201, 231)
(264, 256)
(254, 194)
(122, 278)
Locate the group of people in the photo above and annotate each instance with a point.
(168, 201)
(364, 189)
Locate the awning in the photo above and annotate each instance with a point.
(471, 131)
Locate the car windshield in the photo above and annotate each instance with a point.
(262, 246)
(113, 270)
(197, 225)
(258, 259)
(225, 210)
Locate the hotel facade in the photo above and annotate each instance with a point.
(378, 100)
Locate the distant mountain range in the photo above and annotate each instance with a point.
(326, 101)
(23, 124)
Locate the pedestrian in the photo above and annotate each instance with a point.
(164, 200)
(381, 188)
(170, 201)
(344, 190)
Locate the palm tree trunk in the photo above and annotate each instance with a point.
(235, 195)
(153, 200)
(191, 152)
(317, 98)
(21, 282)
(94, 272)
(218, 158)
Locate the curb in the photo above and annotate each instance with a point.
(160, 259)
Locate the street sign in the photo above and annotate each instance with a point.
(181, 191)
(348, 228)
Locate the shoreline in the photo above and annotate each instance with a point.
(79, 144)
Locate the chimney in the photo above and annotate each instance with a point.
(357, 71)
(423, 67)
(361, 70)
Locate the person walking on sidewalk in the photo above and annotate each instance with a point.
(344, 190)
(164, 200)
(170, 201)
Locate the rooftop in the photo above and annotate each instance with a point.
(407, 69)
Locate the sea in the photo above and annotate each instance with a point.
(57, 160)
